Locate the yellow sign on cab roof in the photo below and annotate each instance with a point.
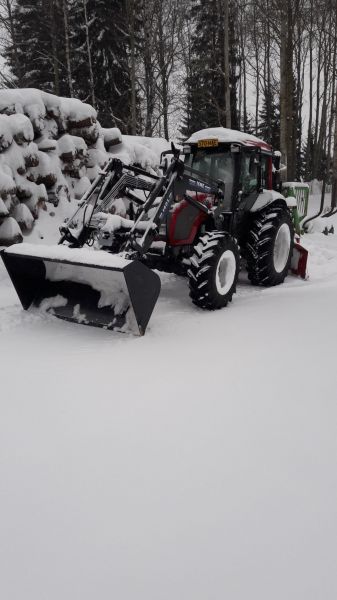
(208, 143)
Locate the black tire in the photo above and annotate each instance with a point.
(270, 245)
(213, 274)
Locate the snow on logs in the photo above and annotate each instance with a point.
(50, 149)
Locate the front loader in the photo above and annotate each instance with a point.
(216, 206)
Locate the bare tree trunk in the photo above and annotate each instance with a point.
(256, 48)
(318, 98)
(309, 138)
(245, 117)
(131, 19)
(268, 82)
(283, 88)
(87, 40)
(14, 43)
(333, 92)
(300, 55)
(243, 102)
(334, 160)
(288, 138)
(226, 63)
(162, 58)
(186, 55)
(67, 47)
(148, 58)
(334, 164)
(323, 121)
(54, 56)
(240, 100)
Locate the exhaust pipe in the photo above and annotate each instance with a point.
(84, 286)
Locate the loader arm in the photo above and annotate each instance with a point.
(116, 180)
(99, 197)
(165, 187)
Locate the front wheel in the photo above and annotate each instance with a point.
(270, 246)
(214, 270)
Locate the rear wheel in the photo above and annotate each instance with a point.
(270, 246)
(214, 270)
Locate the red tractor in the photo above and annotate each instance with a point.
(217, 204)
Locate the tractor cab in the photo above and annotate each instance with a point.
(242, 161)
(216, 162)
(250, 171)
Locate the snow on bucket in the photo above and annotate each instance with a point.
(84, 286)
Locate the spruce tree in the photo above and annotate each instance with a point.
(86, 57)
(205, 80)
(234, 63)
(308, 153)
(269, 124)
(107, 42)
(38, 57)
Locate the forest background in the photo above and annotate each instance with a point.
(171, 67)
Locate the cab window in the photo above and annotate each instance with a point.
(264, 171)
(217, 164)
(249, 173)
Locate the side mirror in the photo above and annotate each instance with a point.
(175, 151)
(164, 165)
(277, 160)
(221, 185)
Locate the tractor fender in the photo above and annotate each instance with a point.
(268, 197)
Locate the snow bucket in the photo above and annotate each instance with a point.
(84, 286)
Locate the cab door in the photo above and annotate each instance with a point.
(249, 180)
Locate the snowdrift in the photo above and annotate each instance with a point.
(51, 148)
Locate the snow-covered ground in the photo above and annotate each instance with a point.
(198, 462)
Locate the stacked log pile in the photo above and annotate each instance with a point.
(50, 149)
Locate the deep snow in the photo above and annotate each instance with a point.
(198, 462)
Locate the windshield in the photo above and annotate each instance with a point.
(217, 164)
(214, 163)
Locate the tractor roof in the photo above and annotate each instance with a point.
(229, 136)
